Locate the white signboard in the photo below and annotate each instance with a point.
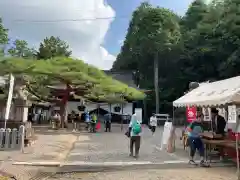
(138, 112)
(207, 114)
(232, 114)
(166, 134)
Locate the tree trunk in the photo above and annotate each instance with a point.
(145, 110)
(122, 117)
(156, 82)
(64, 101)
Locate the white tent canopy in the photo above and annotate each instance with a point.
(212, 94)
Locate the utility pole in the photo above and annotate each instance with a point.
(156, 82)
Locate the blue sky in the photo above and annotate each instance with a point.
(124, 8)
(93, 41)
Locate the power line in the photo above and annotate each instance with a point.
(67, 20)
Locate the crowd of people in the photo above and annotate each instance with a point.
(91, 121)
(193, 130)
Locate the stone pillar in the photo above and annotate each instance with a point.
(21, 107)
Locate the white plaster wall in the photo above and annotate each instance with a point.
(72, 106)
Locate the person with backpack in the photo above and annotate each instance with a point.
(135, 130)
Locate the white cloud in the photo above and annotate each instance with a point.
(84, 37)
(120, 42)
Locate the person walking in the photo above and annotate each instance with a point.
(108, 121)
(73, 118)
(56, 120)
(93, 123)
(135, 130)
(153, 123)
(87, 120)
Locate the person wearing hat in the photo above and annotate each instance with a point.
(218, 122)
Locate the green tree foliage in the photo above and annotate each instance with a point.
(52, 68)
(194, 15)
(151, 31)
(3, 34)
(83, 79)
(53, 47)
(3, 37)
(208, 48)
(20, 49)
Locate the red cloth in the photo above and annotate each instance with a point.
(191, 113)
(98, 126)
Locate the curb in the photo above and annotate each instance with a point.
(84, 165)
(43, 163)
(93, 164)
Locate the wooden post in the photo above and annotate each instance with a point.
(63, 105)
(122, 117)
(172, 138)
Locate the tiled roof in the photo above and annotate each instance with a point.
(123, 76)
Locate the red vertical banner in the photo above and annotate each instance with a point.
(191, 113)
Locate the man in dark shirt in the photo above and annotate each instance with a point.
(108, 119)
(218, 122)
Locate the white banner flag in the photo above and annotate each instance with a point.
(9, 100)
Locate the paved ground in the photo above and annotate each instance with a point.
(104, 147)
(114, 146)
(176, 174)
(48, 147)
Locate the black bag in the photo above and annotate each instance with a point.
(127, 133)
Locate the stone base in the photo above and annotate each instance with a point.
(30, 141)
